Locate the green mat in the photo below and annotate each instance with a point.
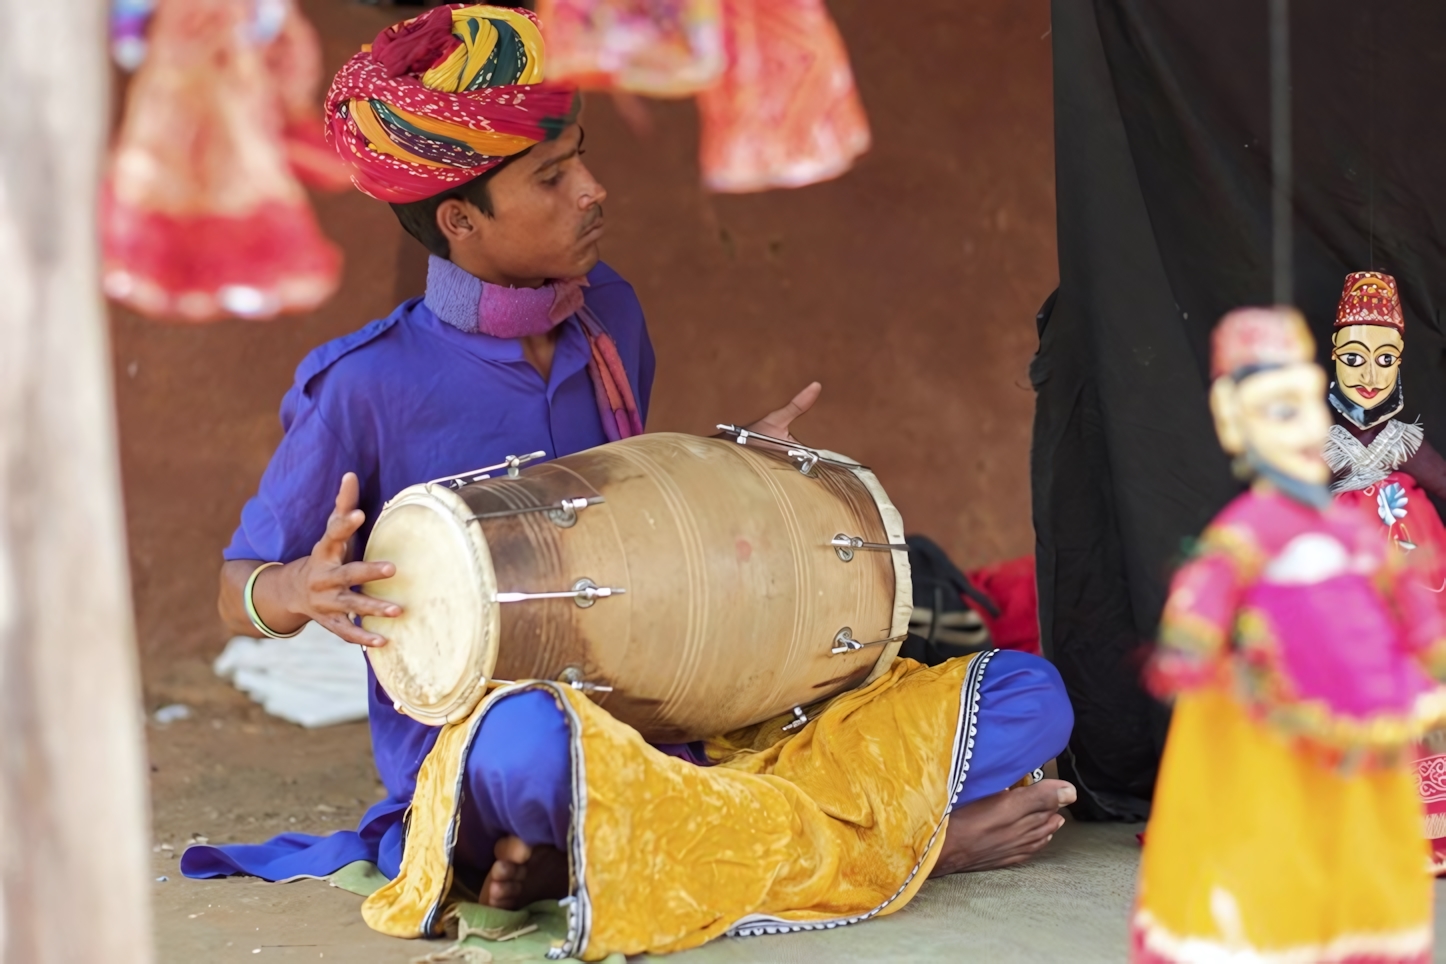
(484, 934)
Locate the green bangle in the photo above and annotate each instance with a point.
(251, 612)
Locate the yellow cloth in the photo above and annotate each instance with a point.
(1258, 850)
(473, 65)
(835, 822)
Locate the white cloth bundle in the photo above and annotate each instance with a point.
(314, 679)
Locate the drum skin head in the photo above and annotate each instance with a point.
(441, 651)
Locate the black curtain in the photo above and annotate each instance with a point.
(1162, 147)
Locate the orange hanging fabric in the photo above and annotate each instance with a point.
(202, 214)
(786, 112)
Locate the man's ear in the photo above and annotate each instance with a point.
(457, 219)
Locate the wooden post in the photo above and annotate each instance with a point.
(73, 827)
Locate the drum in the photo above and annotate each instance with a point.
(690, 585)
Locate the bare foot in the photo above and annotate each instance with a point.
(523, 874)
(1005, 829)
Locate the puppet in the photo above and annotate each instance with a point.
(1382, 465)
(1299, 647)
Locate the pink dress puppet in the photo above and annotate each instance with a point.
(202, 212)
(1300, 650)
(1384, 468)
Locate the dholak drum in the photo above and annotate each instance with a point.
(690, 585)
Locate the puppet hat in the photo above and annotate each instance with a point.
(1248, 339)
(1370, 298)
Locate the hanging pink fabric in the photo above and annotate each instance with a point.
(293, 59)
(785, 112)
(775, 92)
(660, 48)
(202, 215)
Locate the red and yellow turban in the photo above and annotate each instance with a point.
(441, 98)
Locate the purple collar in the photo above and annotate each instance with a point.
(470, 304)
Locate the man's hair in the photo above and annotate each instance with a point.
(420, 217)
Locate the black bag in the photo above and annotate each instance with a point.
(943, 626)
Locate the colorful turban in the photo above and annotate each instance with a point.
(1370, 298)
(439, 99)
(1248, 339)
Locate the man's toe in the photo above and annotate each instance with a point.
(506, 870)
(513, 850)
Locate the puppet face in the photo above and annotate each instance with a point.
(1277, 416)
(1368, 363)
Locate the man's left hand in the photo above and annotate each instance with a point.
(777, 423)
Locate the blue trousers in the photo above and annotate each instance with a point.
(518, 780)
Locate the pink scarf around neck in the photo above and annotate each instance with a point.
(470, 304)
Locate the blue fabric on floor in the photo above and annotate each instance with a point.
(399, 745)
(519, 769)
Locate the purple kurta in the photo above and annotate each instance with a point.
(406, 399)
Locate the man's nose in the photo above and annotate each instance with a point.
(592, 193)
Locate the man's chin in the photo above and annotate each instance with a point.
(587, 259)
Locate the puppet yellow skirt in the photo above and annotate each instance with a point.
(833, 823)
(1258, 852)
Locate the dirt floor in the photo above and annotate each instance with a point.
(229, 773)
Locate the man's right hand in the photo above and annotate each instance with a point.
(316, 587)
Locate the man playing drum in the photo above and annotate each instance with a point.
(525, 341)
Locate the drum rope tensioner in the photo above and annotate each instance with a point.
(806, 457)
(513, 464)
(845, 544)
(584, 592)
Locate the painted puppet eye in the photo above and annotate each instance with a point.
(1281, 411)
(1352, 359)
(1386, 359)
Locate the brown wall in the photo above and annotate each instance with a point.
(908, 287)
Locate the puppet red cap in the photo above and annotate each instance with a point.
(1370, 298)
(1249, 338)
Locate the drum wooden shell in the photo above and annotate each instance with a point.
(733, 594)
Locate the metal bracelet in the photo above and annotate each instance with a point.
(584, 592)
(249, 601)
(845, 544)
(513, 464)
(562, 514)
(807, 457)
(800, 718)
(844, 642)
